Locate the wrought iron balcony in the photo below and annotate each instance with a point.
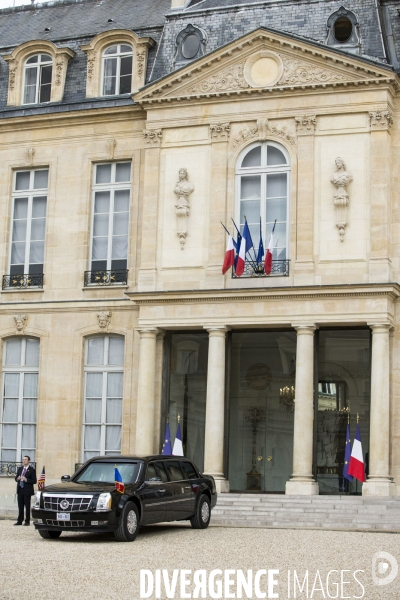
(280, 268)
(9, 469)
(22, 282)
(112, 277)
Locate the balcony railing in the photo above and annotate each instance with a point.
(22, 282)
(280, 268)
(9, 469)
(112, 277)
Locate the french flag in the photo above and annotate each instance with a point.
(357, 467)
(246, 243)
(178, 447)
(229, 260)
(268, 256)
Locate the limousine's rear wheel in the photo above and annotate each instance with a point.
(49, 535)
(128, 527)
(202, 516)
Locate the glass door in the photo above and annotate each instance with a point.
(261, 410)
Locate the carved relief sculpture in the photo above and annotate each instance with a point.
(182, 189)
(340, 180)
(263, 130)
(13, 64)
(305, 125)
(20, 323)
(59, 68)
(381, 119)
(29, 154)
(91, 59)
(103, 319)
(152, 137)
(111, 144)
(220, 132)
(140, 58)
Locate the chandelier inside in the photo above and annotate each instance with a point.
(287, 397)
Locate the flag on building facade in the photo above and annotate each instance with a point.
(260, 253)
(357, 467)
(42, 480)
(229, 260)
(119, 484)
(178, 447)
(347, 455)
(167, 447)
(246, 244)
(268, 256)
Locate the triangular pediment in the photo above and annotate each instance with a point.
(264, 60)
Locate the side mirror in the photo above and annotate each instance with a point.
(65, 478)
(154, 480)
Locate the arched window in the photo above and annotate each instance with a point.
(104, 374)
(117, 70)
(20, 395)
(262, 186)
(37, 79)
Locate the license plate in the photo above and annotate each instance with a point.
(63, 517)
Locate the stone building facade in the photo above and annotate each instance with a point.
(129, 131)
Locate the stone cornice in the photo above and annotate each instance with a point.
(390, 291)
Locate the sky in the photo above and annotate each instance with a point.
(7, 3)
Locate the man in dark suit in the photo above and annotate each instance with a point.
(25, 478)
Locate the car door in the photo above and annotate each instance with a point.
(180, 505)
(191, 485)
(153, 495)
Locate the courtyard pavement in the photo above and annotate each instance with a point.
(91, 566)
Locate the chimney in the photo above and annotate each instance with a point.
(176, 4)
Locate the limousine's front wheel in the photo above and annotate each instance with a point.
(202, 516)
(128, 527)
(49, 535)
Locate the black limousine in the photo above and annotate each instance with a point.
(155, 489)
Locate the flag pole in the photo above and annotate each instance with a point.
(225, 228)
(254, 252)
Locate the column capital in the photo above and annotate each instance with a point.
(305, 328)
(383, 327)
(217, 330)
(149, 332)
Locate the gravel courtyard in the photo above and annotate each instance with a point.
(94, 566)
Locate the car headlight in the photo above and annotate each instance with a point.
(104, 502)
(36, 502)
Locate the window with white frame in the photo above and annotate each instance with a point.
(20, 396)
(37, 79)
(104, 375)
(29, 221)
(117, 70)
(111, 198)
(262, 190)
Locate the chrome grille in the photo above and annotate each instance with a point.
(65, 524)
(58, 503)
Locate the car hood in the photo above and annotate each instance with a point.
(78, 488)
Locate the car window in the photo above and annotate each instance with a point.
(174, 470)
(161, 471)
(151, 471)
(99, 472)
(189, 470)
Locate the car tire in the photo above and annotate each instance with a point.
(128, 526)
(202, 516)
(49, 535)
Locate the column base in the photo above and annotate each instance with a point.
(379, 487)
(296, 487)
(221, 484)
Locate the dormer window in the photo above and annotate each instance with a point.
(343, 31)
(37, 79)
(190, 43)
(117, 70)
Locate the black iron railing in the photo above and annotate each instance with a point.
(9, 469)
(280, 268)
(112, 277)
(22, 282)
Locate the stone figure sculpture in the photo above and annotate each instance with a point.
(20, 323)
(340, 180)
(182, 189)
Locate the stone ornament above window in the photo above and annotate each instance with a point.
(20, 323)
(17, 61)
(103, 319)
(263, 69)
(95, 50)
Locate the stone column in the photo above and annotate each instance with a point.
(304, 252)
(146, 392)
(379, 483)
(215, 408)
(302, 482)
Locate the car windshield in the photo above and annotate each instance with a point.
(99, 472)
